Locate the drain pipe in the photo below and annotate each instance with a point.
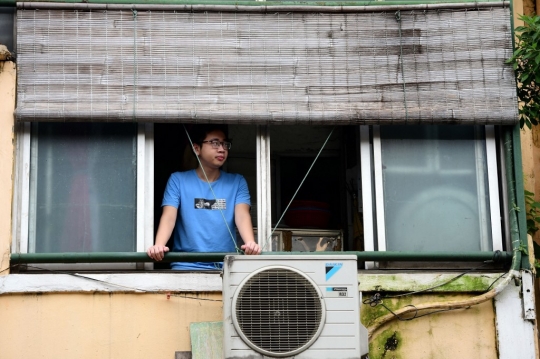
(512, 180)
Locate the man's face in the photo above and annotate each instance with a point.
(212, 157)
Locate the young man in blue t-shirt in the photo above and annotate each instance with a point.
(194, 213)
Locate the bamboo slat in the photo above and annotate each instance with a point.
(432, 66)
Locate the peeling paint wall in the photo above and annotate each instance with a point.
(465, 333)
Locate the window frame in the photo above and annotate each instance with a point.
(264, 188)
(372, 192)
(369, 155)
(144, 199)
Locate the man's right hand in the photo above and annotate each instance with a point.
(157, 252)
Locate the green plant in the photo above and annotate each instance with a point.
(536, 248)
(526, 63)
(533, 221)
(533, 213)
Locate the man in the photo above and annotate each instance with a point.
(203, 218)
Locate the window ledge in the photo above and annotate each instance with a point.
(111, 282)
(440, 281)
(369, 281)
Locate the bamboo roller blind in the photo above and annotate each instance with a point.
(432, 66)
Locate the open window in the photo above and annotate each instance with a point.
(281, 96)
(90, 186)
(274, 161)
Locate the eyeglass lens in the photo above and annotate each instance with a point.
(215, 144)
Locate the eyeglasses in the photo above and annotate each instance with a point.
(215, 144)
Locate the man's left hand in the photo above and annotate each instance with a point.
(251, 248)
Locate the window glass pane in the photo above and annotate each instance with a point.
(435, 188)
(83, 187)
(6, 27)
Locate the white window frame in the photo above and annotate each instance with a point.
(373, 196)
(144, 199)
(264, 190)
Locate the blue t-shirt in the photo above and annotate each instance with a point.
(200, 226)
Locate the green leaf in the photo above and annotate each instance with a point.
(525, 61)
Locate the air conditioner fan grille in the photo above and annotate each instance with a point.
(279, 310)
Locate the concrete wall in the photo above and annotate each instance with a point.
(7, 106)
(92, 319)
(122, 325)
(101, 325)
(463, 334)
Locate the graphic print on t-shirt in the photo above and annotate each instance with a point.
(201, 203)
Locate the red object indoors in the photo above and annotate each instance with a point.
(308, 214)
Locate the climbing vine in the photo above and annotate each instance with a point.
(526, 63)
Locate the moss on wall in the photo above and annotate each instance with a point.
(435, 282)
(371, 310)
(435, 335)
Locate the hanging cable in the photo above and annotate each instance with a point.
(126, 288)
(135, 65)
(453, 279)
(435, 307)
(300, 186)
(398, 19)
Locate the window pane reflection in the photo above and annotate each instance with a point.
(83, 187)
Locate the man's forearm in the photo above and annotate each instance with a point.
(165, 229)
(243, 223)
(166, 225)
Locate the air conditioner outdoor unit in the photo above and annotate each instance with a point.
(292, 306)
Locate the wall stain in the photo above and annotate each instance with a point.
(391, 344)
(386, 345)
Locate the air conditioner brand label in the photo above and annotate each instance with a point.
(337, 292)
(332, 268)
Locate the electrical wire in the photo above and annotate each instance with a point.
(376, 299)
(8, 268)
(268, 240)
(127, 288)
(441, 306)
(442, 284)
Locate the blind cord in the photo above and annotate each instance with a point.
(398, 19)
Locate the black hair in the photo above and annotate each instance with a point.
(198, 132)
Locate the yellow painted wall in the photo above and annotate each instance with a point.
(7, 106)
(94, 326)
